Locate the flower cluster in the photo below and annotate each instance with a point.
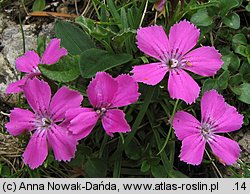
(59, 122)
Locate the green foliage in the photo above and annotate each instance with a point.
(66, 70)
(73, 38)
(38, 5)
(104, 40)
(95, 60)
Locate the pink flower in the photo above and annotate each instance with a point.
(175, 57)
(28, 63)
(45, 121)
(217, 117)
(105, 94)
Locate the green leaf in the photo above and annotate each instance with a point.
(201, 18)
(222, 80)
(133, 150)
(231, 62)
(239, 39)
(159, 171)
(245, 93)
(66, 70)
(145, 166)
(38, 5)
(95, 168)
(232, 20)
(73, 38)
(241, 49)
(226, 6)
(95, 60)
(236, 79)
(209, 84)
(248, 7)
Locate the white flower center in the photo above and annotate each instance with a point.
(206, 131)
(173, 63)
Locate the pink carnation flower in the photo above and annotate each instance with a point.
(175, 57)
(45, 122)
(105, 94)
(217, 117)
(28, 63)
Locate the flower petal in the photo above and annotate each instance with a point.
(192, 149)
(101, 90)
(205, 61)
(37, 149)
(127, 92)
(28, 62)
(153, 41)
(21, 121)
(38, 95)
(183, 36)
(63, 100)
(62, 143)
(114, 121)
(185, 124)
(53, 52)
(150, 74)
(16, 87)
(226, 149)
(83, 123)
(182, 86)
(217, 112)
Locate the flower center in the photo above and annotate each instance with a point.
(101, 111)
(206, 130)
(43, 123)
(173, 63)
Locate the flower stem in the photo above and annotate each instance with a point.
(170, 128)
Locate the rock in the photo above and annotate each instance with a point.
(13, 42)
(7, 75)
(243, 138)
(5, 22)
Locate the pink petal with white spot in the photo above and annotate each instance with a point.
(127, 92)
(183, 36)
(21, 121)
(215, 110)
(150, 74)
(185, 124)
(205, 61)
(63, 100)
(114, 121)
(101, 90)
(62, 143)
(83, 123)
(227, 150)
(153, 41)
(38, 95)
(192, 149)
(36, 150)
(28, 62)
(53, 52)
(182, 86)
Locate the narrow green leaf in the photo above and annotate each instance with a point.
(38, 5)
(73, 38)
(67, 69)
(95, 60)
